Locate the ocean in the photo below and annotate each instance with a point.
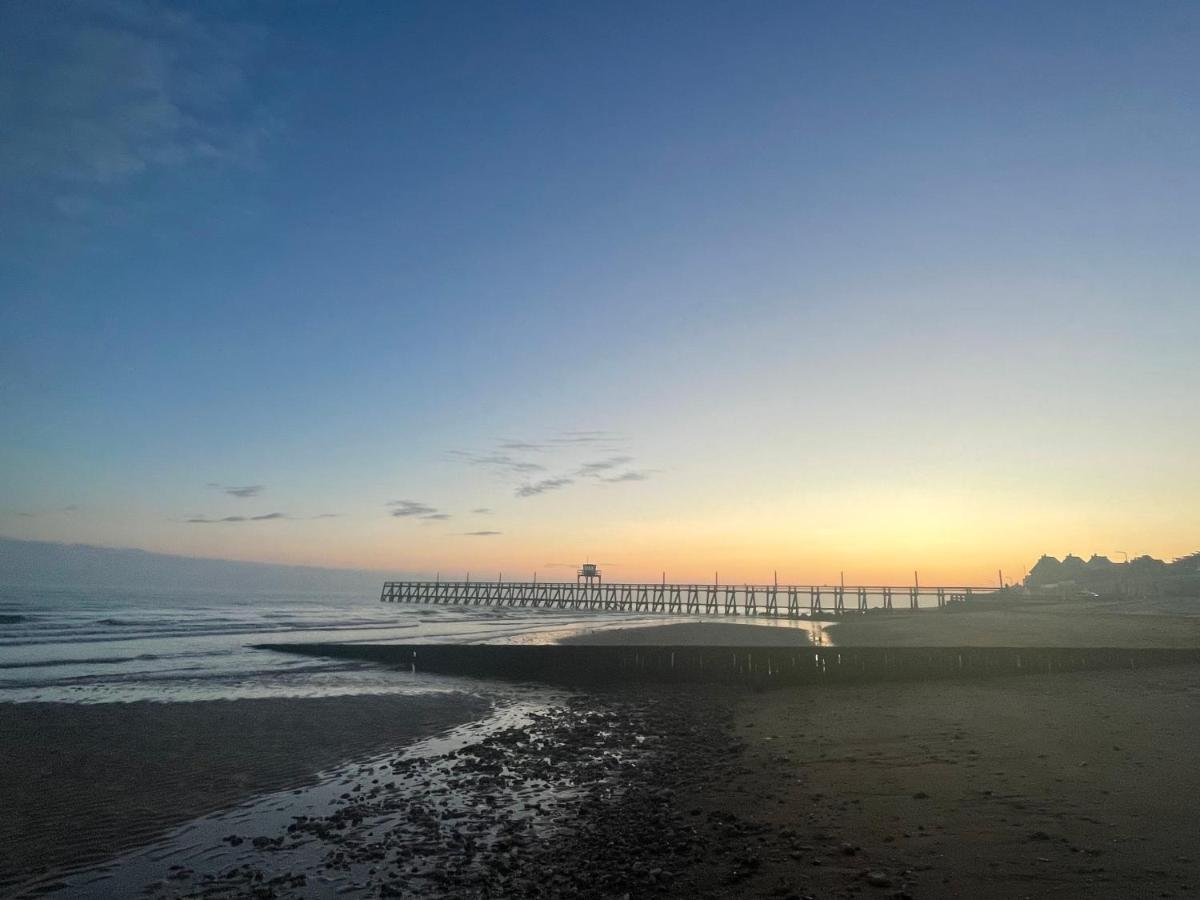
(88, 645)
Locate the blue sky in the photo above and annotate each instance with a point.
(845, 286)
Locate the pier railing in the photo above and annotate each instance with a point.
(790, 601)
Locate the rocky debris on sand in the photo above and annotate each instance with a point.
(594, 798)
(576, 801)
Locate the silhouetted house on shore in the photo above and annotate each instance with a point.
(1046, 571)
(1140, 577)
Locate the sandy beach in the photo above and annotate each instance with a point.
(1044, 785)
(1016, 623)
(710, 634)
(1079, 785)
(82, 782)
(1030, 623)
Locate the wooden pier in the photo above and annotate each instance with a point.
(775, 600)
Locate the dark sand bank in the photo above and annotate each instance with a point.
(616, 665)
(1077, 785)
(1017, 625)
(687, 634)
(82, 782)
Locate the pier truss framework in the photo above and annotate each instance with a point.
(791, 601)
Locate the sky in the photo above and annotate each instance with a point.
(711, 290)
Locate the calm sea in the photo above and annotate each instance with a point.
(103, 645)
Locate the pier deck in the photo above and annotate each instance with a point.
(790, 601)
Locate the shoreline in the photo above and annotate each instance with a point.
(85, 782)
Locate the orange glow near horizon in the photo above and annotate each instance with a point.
(946, 550)
(869, 531)
(939, 556)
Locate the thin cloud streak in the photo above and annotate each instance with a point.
(543, 486)
(593, 469)
(632, 475)
(587, 437)
(523, 446)
(265, 517)
(403, 509)
(501, 461)
(242, 492)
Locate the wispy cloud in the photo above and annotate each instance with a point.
(499, 461)
(559, 460)
(597, 468)
(403, 509)
(327, 516)
(482, 510)
(265, 517)
(543, 486)
(31, 514)
(413, 509)
(243, 492)
(632, 475)
(479, 533)
(587, 437)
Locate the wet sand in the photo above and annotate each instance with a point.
(81, 782)
(1079, 785)
(690, 634)
(1055, 786)
(1019, 624)
(988, 624)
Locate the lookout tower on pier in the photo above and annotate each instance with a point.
(588, 575)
